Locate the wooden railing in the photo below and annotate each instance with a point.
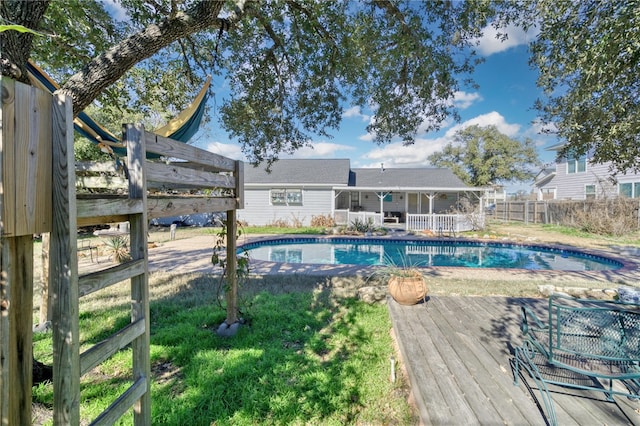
(444, 223)
(346, 217)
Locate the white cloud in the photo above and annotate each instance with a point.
(398, 155)
(464, 100)
(319, 150)
(490, 119)
(416, 155)
(489, 44)
(116, 10)
(226, 149)
(355, 111)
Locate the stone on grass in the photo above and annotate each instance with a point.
(228, 330)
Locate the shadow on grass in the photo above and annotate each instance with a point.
(303, 356)
(296, 359)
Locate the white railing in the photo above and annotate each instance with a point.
(444, 223)
(346, 217)
(437, 223)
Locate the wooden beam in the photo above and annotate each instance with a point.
(173, 174)
(174, 149)
(177, 206)
(134, 137)
(19, 269)
(63, 273)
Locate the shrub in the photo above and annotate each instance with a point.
(322, 221)
(296, 222)
(611, 217)
(363, 226)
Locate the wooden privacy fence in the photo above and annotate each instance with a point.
(39, 195)
(567, 212)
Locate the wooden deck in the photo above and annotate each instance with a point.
(458, 353)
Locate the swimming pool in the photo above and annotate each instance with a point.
(425, 253)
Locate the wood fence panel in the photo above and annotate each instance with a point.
(569, 212)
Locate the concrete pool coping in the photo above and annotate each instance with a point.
(194, 255)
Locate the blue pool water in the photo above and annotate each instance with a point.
(424, 253)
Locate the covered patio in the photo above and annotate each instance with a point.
(420, 199)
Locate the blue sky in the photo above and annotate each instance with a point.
(505, 99)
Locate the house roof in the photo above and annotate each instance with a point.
(337, 173)
(407, 178)
(300, 171)
(544, 176)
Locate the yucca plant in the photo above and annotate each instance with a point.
(118, 248)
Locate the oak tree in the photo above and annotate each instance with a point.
(290, 65)
(588, 55)
(483, 156)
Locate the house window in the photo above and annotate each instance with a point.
(278, 197)
(629, 190)
(577, 165)
(286, 197)
(294, 196)
(590, 192)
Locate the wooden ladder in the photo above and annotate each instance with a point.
(67, 287)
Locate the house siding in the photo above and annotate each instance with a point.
(258, 210)
(572, 186)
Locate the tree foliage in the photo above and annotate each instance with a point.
(291, 65)
(482, 156)
(588, 56)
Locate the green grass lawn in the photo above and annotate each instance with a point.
(304, 357)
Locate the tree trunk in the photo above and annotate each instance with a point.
(15, 47)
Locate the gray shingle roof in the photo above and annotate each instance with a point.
(305, 171)
(407, 178)
(335, 172)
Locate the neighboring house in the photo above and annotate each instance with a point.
(297, 190)
(580, 179)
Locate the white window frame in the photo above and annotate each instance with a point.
(590, 195)
(285, 197)
(635, 189)
(278, 197)
(574, 165)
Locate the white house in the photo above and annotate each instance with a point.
(297, 189)
(580, 179)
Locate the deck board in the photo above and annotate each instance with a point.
(457, 352)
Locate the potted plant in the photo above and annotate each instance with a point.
(406, 283)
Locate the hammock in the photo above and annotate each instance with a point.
(181, 128)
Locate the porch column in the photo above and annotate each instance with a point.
(333, 204)
(431, 196)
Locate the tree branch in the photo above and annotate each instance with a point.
(108, 67)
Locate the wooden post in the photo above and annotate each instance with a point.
(25, 209)
(232, 265)
(17, 267)
(63, 272)
(136, 155)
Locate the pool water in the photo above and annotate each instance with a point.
(425, 253)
